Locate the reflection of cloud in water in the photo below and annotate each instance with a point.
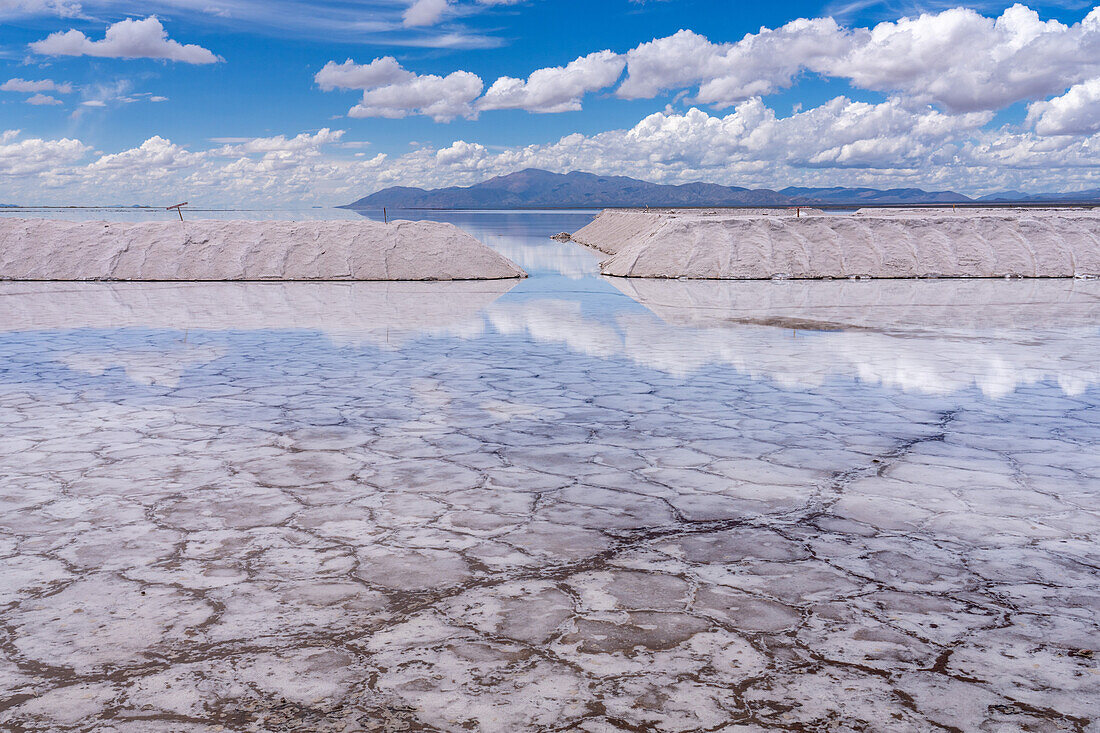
(383, 314)
(380, 313)
(163, 368)
(557, 322)
(932, 337)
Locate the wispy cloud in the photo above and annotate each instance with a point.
(435, 23)
(875, 10)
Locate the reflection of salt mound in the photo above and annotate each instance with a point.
(932, 337)
(378, 312)
(735, 245)
(902, 305)
(44, 249)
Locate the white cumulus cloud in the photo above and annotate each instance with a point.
(461, 154)
(556, 89)
(957, 59)
(156, 157)
(726, 73)
(39, 85)
(43, 99)
(896, 142)
(37, 157)
(390, 90)
(281, 143)
(127, 39)
(440, 97)
(350, 75)
(1077, 111)
(964, 61)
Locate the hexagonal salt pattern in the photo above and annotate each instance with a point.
(530, 519)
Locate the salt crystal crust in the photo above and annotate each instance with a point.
(897, 243)
(43, 249)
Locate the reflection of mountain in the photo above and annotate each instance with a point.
(930, 337)
(376, 312)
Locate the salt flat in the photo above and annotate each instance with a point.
(572, 504)
(900, 243)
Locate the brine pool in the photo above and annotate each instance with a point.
(564, 503)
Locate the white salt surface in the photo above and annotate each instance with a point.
(44, 249)
(899, 243)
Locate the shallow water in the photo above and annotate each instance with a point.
(564, 503)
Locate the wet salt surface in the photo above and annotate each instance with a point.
(567, 504)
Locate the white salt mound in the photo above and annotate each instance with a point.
(897, 243)
(43, 249)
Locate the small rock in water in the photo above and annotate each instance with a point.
(562, 237)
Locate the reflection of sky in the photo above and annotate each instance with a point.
(922, 337)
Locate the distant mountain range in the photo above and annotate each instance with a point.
(533, 188)
(1091, 195)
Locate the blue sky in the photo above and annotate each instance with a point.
(286, 102)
